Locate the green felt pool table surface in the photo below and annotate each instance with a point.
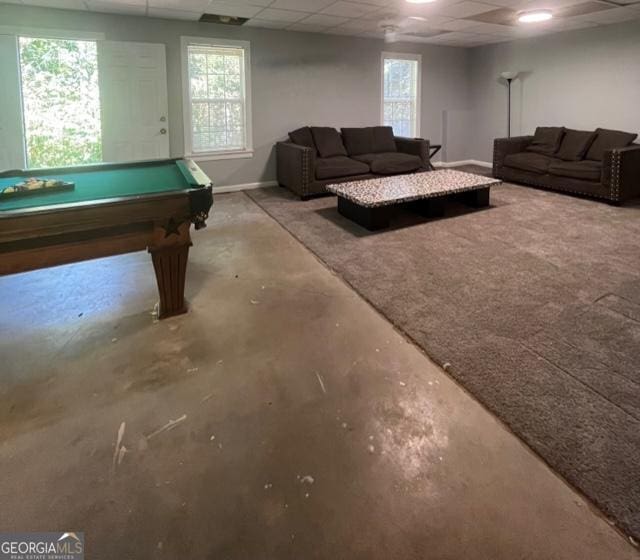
(103, 182)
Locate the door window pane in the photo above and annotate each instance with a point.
(61, 100)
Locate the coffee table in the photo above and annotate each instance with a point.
(371, 202)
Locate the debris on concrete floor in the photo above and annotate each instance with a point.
(170, 425)
(116, 451)
(321, 381)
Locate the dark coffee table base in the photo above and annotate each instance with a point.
(372, 218)
(377, 217)
(478, 198)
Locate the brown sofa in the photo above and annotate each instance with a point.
(602, 163)
(317, 156)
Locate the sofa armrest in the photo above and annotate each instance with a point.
(414, 146)
(502, 147)
(295, 167)
(621, 172)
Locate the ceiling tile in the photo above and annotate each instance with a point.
(457, 24)
(465, 9)
(282, 15)
(230, 8)
(491, 29)
(302, 5)
(616, 15)
(306, 28)
(181, 5)
(349, 9)
(323, 20)
(267, 23)
(174, 14)
(118, 8)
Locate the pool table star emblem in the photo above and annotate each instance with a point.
(172, 227)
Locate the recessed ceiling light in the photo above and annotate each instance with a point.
(534, 16)
(418, 18)
(420, 1)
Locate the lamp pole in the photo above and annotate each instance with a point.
(509, 76)
(509, 80)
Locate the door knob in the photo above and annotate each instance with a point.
(163, 131)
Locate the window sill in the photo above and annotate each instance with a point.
(216, 156)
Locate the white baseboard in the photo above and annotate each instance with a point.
(462, 162)
(243, 187)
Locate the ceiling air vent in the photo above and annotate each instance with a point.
(223, 20)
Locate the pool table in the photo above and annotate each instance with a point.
(113, 209)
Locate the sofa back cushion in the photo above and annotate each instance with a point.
(328, 141)
(303, 137)
(608, 140)
(575, 144)
(546, 140)
(383, 140)
(358, 141)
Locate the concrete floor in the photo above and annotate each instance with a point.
(308, 427)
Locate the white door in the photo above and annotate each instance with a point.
(12, 149)
(133, 100)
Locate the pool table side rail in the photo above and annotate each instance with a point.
(91, 167)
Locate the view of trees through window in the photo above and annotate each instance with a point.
(61, 101)
(400, 95)
(217, 97)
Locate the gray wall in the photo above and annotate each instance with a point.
(580, 79)
(297, 79)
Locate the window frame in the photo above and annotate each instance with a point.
(403, 56)
(187, 104)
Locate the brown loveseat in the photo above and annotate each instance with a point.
(317, 156)
(601, 163)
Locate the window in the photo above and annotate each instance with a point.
(401, 93)
(61, 101)
(216, 83)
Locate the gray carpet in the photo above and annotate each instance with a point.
(534, 303)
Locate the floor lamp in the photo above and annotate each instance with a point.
(509, 76)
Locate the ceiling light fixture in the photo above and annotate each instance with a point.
(419, 1)
(535, 16)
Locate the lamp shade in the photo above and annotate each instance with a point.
(509, 75)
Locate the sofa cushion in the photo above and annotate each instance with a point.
(546, 140)
(390, 163)
(608, 140)
(358, 141)
(383, 140)
(586, 170)
(339, 166)
(328, 141)
(575, 144)
(528, 161)
(303, 137)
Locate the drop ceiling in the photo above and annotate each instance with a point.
(461, 23)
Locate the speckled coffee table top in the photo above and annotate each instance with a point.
(405, 188)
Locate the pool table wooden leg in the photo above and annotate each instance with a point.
(170, 253)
